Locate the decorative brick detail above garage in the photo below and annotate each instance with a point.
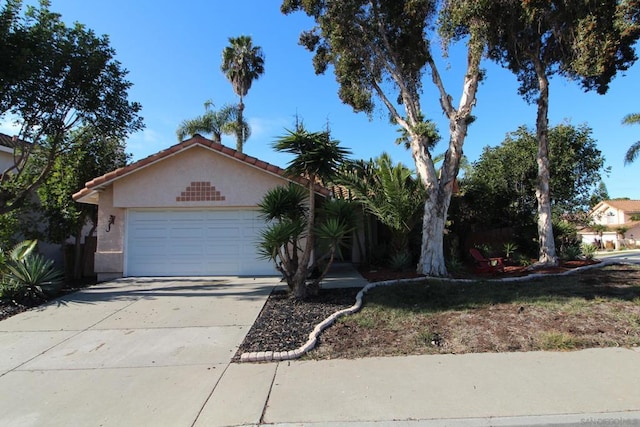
(200, 191)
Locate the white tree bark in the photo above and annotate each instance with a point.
(547, 254)
(440, 188)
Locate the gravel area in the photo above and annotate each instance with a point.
(285, 323)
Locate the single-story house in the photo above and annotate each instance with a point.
(614, 224)
(189, 210)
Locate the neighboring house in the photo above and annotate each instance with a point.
(6, 152)
(189, 210)
(616, 224)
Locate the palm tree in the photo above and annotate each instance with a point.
(317, 158)
(633, 151)
(216, 123)
(390, 193)
(242, 63)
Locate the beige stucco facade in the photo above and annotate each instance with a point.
(195, 178)
(161, 185)
(618, 216)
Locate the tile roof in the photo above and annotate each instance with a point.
(628, 206)
(6, 140)
(197, 140)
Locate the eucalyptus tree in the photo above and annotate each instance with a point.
(633, 151)
(582, 40)
(380, 50)
(214, 123)
(291, 239)
(55, 79)
(242, 62)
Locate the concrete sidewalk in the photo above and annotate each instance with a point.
(538, 388)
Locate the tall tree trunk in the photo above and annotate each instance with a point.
(547, 254)
(432, 253)
(240, 130)
(440, 189)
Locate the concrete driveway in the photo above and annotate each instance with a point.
(143, 352)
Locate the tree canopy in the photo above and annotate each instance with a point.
(507, 175)
(584, 40)
(90, 155)
(56, 78)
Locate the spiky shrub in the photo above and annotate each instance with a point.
(570, 253)
(35, 275)
(400, 261)
(284, 208)
(509, 248)
(588, 250)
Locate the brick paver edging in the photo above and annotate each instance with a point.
(274, 356)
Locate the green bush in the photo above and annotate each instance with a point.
(454, 264)
(571, 252)
(588, 250)
(524, 260)
(400, 261)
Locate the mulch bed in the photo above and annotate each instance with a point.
(10, 308)
(285, 323)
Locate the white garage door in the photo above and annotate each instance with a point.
(194, 243)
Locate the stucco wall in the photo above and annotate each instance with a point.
(166, 184)
(109, 258)
(6, 158)
(608, 215)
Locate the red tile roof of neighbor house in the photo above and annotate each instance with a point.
(6, 140)
(197, 140)
(629, 206)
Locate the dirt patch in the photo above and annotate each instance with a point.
(593, 308)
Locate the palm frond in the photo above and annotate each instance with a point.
(284, 203)
(632, 153)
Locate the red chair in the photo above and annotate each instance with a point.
(486, 265)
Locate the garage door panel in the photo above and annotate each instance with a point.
(185, 232)
(192, 242)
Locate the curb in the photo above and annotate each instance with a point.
(277, 356)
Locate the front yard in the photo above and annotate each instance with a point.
(599, 307)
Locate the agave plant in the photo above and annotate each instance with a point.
(35, 274)
(17, 253)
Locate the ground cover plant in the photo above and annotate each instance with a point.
(594, 308)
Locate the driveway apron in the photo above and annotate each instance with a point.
(128, 352)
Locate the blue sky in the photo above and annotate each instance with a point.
(173, 53)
